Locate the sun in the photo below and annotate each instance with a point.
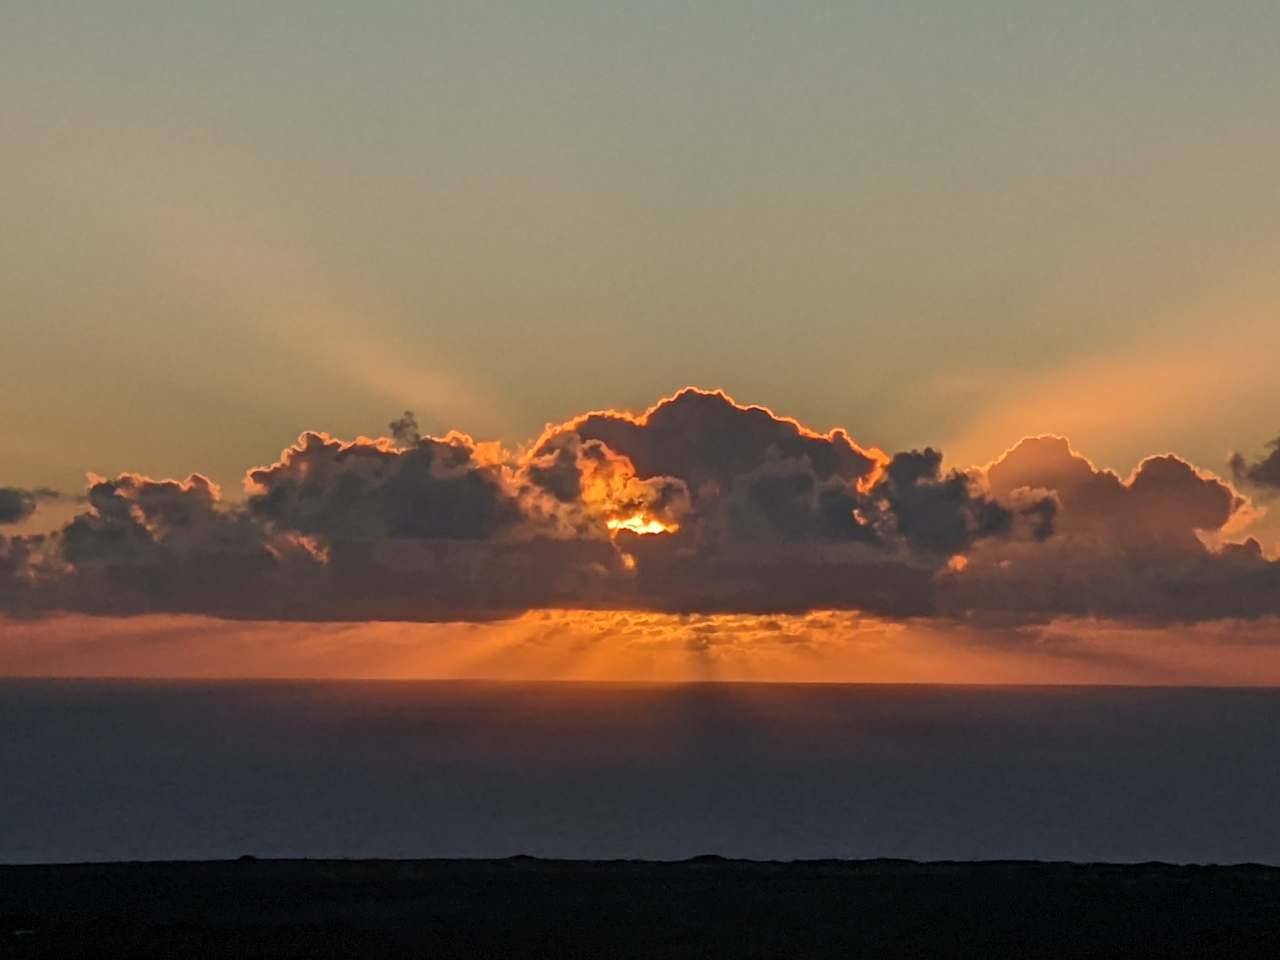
(639, 523)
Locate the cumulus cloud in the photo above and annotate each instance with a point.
(750, 475)
(1263, 473)
(147, 545)
(1131, 547)
(700, 504)
(368, 490)
(1162, 504)
(143, 545)
(707, 439)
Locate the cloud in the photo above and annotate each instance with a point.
(1128, 548)
(16, 504)
(586, 489)
(1162, 504)
(707, 439)
(1263, 473)
(149, 545)
(729, 465)
(404, 429)
(698, 505)
(145, 545)
(369, 489)
(750, 475)
(947, 515)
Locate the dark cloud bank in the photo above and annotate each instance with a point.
(17, 504)
(1263, 473)
(759, 514)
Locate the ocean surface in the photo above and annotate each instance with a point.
(115, 770)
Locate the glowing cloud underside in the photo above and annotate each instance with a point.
(643, 525)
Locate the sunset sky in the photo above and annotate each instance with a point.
(889, 244)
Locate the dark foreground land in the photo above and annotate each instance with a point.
(706, 907)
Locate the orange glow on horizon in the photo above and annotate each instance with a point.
(644, 646)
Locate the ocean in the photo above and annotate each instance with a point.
(94, 770)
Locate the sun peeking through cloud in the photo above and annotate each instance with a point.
(641, 524)
(613, 492)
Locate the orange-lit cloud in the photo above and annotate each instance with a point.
(699, 505)
(639, 523)
(707, 436)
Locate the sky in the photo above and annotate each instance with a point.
(937, 225)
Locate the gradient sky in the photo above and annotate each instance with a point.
(941, 224)
(937, 223)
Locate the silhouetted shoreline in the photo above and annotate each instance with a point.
(707, 906)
